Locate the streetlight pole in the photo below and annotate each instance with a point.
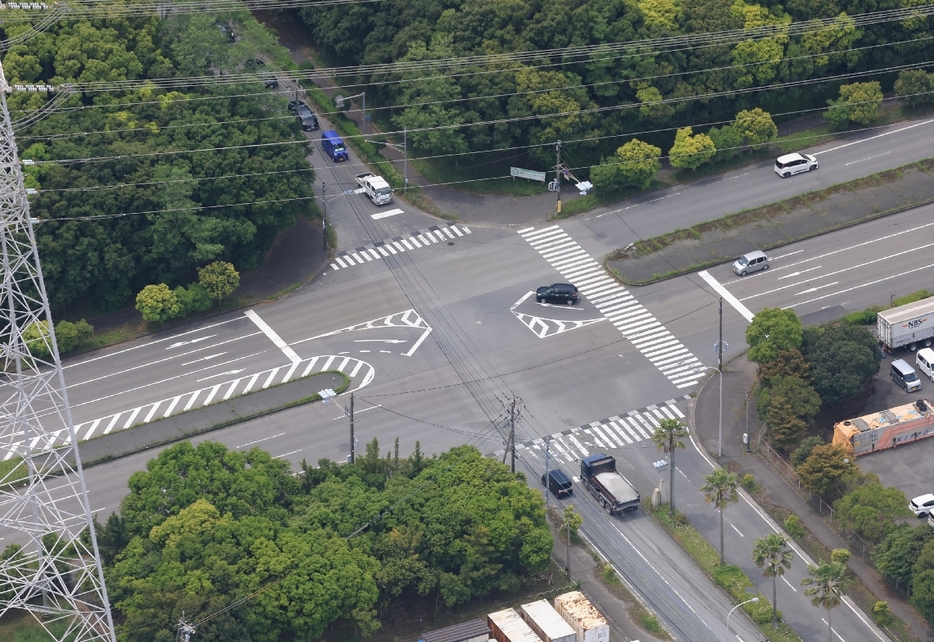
(755, 599)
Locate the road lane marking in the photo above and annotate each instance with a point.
(737, 530)
(386, 214)
(639, 326)
(866, 140)
(860, 286)
(790, 585)
(256, 441)
(729, 298)
(273, 336)
(866, 159)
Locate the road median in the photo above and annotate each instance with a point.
(718, 241)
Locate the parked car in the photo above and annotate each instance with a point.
(922, 505)
(794, 163)
(271, 83)
(557, 293)
(306, 117)
(751, 262)
(293, 105)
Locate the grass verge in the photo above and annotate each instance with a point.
(729, 577)
(20, 626)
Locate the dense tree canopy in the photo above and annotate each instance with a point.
(203, 527)
(125, 199)
(612, 86)
(841, 358)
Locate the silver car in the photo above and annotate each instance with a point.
(751, 262)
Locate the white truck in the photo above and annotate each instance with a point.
(375, 187)
(910, 325)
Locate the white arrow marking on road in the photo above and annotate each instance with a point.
(185, 343)
(207, 358)
(815, 289)
(222, 374)
(799, 273)
(380, 341)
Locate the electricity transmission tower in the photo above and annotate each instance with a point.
(51, 567)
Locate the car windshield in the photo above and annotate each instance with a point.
(912, 376)
(742, 260)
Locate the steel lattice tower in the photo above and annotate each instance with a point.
(56, 572)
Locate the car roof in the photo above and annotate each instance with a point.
(563, 286)
(920, 499)
(787, 158)
(754, 254)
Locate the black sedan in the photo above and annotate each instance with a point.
(557, 293)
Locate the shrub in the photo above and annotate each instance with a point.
(749, 483)
(192, 300)
(793, 527)
(72, 337)
(882, 614)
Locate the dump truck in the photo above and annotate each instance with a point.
(910, 325)
(375, 187)
(599, 475)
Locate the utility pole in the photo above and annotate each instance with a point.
(350, 415)
(512, 433)
(56, 574)
(558, 176)
(324, 215)
(547, 479)
(720, 372)
(405, 159)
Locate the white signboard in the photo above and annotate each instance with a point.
(518, 172)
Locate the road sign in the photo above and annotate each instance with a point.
(518, 172)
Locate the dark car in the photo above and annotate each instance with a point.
(271, 83)
(558, 483)
(306, 117)
(557, 293)
(293, 105)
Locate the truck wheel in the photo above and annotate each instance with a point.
(913, 347)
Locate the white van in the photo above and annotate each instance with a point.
(924, 362)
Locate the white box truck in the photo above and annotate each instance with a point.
(910, 325)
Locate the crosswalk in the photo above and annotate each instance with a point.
(637, 324)
(398, 245)
(570, 446)
(361, 372)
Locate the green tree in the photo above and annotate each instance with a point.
(634, 165)
(157, 303)
(827, 471)
(804, 449)
(772, 331)
(573, 519)
(915, 87)
(651, 106)
(73, 336)
(756, 126)
(772, 553)
(691, 151)
(859, 102)
(787, 363)
(871, 510)
(897, 553)
(826, 587)
(668, 438)
(727, 139)
(720, 490)
(792, 403)
(38, 339)
(846, 353)
(219, 279)
(192, 299)
(841, 555)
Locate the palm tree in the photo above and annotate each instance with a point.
(827, 584)
(772, 552)
(720, 490)
(667, 438)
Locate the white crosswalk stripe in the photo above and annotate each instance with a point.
(383, 249)
(617, 304)
(570, 446)
(217, 392)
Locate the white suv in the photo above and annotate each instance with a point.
(795, 163)
(922, 505)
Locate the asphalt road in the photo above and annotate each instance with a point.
(436, 327)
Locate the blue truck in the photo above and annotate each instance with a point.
(333, 146)
(598, 473)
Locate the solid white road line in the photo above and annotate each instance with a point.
(385, 214)
(722, 291)
(273, 336)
